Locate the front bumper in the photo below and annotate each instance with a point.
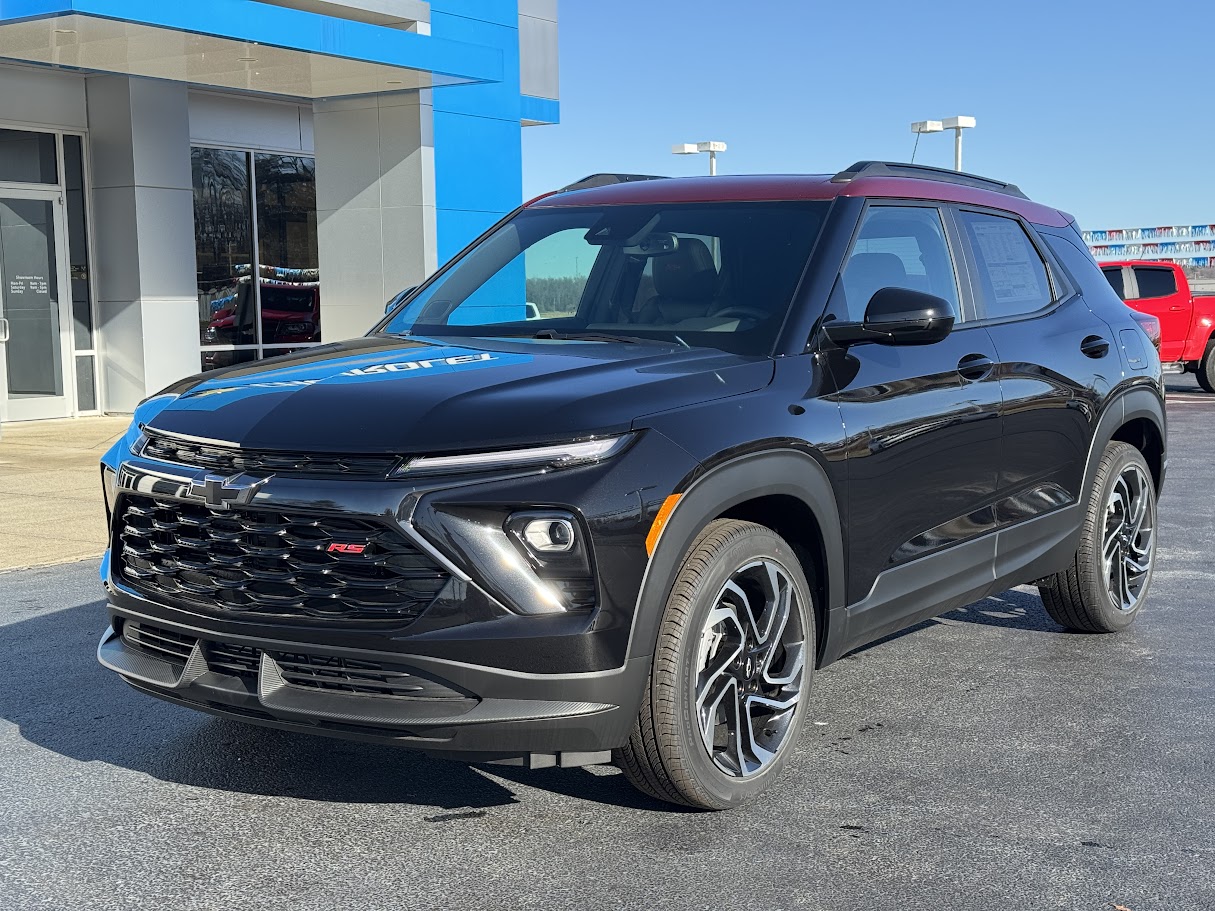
(557, 688)
(461, 711)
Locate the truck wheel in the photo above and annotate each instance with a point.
(1206, 368)
(731, 675)
(1105, 587)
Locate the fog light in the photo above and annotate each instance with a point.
(549, 536)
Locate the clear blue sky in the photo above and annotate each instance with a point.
(1103, 109)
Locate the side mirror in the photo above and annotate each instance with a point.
(388, 307)
(898, 316)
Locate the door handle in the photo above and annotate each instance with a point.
(3, 329)
(975, 367)
(1095, 346)
(1176, 309)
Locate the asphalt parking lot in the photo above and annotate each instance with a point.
(985, 760)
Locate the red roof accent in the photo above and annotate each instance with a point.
(789, 187)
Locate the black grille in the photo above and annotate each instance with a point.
(242, 661)
(231, 460)
(271, 562)
(326, 672)
(164, 644)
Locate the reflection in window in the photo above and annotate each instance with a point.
(223, 237)
(78, 244)
(218, 358)
(898, 247)
(287, 247)
(27, 157)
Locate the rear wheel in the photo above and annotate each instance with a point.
(1105, 587)
(726, 697)
(1206, 369)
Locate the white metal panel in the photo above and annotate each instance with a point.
(42, 97)
(538, 68)
(249, 123)
(541, 9)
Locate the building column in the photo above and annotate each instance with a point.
(143, 224)
(375, 204)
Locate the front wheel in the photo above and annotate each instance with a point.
(727, 691)
(1105, 587)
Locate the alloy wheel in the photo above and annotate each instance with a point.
(750, 668)
(1129, 540)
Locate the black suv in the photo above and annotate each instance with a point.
(613, 483)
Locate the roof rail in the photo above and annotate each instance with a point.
(604, 180)
(924, 172)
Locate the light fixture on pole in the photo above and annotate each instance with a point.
(957, 124)
(693, 148)
(920, 127)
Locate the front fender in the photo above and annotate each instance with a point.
(787, 472)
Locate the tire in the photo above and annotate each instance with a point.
(1093, 595)
(711, 644)
(1205, 369)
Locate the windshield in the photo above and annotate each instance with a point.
(719, 276)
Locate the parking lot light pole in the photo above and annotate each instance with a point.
(957, 124)
(694, 148)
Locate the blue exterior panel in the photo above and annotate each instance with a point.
(477, 141)
(244, 20)
(540, 110)
(478, 155)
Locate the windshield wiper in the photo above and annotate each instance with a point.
(596, 337)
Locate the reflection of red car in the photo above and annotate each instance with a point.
(291, 315)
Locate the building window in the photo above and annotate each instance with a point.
(256, 244)
(81, 274)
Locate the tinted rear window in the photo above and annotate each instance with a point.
(1154, 282)
(1114, 277)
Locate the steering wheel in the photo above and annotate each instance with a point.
(742, 313)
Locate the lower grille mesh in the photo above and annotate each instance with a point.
(317, 672)
(164, 644)
(326, 672)
(242, 661)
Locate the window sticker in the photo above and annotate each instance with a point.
(1013, 265)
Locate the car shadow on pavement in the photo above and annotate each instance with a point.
(1012, 609)
(62, 700)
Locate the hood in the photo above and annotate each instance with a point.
(414, 395)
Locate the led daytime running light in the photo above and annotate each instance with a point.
(563, 455)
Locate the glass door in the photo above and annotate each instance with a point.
(35, 354)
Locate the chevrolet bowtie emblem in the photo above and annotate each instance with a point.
(221, 492)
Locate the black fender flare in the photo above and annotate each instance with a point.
(789, 472)
(1133, 403)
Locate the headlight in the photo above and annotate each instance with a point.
(563, 455)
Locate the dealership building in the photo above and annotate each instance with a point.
(191, 185)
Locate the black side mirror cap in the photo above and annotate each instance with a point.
(898, 316)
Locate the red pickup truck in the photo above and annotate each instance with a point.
(1186, 319)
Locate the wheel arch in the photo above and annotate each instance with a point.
(787, 490)
(1136, 416)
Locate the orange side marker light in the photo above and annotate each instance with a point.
(660, 522)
